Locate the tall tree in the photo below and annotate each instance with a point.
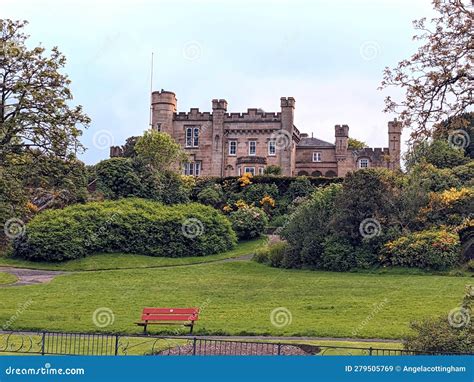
(35, 111)
(438, 79)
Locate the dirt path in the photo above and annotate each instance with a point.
(29, 276)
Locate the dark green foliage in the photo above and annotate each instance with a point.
(301, 187)
(126, 177)
(248, 222)
(211, 196)
(128, 225)
(272, 170)
(255, 192)
(338, 255)
(116, 178)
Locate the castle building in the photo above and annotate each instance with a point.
(223, 144)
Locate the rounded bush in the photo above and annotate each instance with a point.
(129, 226)
(248, 222)
(435, 249)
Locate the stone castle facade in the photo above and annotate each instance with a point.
(223, 144)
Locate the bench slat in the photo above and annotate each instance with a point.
(169, 317)
(170, 310)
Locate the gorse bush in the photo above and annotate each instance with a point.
(129, 225)
(435, 249)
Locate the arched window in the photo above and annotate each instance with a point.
(317, 173)
(302, 173)
(331, 174)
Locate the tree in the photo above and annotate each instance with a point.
(272, 170)
(159, 150)
(355, 144)
(439, 153)
(438, 78)
(34, 98)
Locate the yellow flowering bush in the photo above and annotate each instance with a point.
(435, 249)
(449, 207)
(267, 201)
(245, 179)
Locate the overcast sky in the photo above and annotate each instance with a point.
(328, 55)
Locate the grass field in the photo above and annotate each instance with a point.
(6, 278)
(106, 261)
(238, 298)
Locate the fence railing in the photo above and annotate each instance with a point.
(59, 343)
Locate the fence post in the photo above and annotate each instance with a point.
(194, 346)
(43, 338)
(370, 350)
(279, 349)
(116, 344)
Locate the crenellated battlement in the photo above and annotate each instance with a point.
(253, 115)
(193, 115)
(374, 153)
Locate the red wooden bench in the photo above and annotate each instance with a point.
(169, 316)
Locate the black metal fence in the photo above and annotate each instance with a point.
(58, 343)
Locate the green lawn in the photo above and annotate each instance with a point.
(6, 278)
(105, 261)
(237, 298)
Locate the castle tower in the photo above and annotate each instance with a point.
(163, 107)
(288, 152)
(341, 133)
(394, 143)
(219, 108)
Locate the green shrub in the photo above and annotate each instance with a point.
(272, 254)
(128, 225)
(211, 196)
(301, 187)
(116, 178)
(470, 265)
(337, 255)
(272, 170)
(255, 192)
(248, 222)
(434, 249)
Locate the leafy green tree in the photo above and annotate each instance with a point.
(159, 150)
(438, 152)
(116, 178)
(354, 144)
(273, 170)
(35, 111)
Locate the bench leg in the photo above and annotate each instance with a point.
(144, 329)
(191, 327)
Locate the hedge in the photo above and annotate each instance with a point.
(128, 225)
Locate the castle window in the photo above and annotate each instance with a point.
(271, 148)
(252, 148)
(363, 163)
(316, 156)
(192, 137)
(232, 147)
(192, 168)
(249, 170)
(260, 170)
(158, 127)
